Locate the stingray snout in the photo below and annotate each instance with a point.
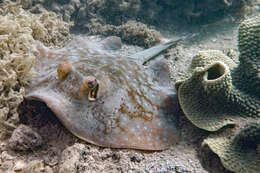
(89, 86)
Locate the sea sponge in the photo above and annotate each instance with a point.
(18, 31)
(203, 89)
(249, 48)
(216, 89)
(219, 92)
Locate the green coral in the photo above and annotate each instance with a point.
(218, 91)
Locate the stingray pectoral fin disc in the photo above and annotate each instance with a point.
(151, 131)
(156, 131)
(64, 111)
(54, 101)
(129, 108)
(144, 136)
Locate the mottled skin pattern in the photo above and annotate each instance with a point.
(219, 92)
(134, 107)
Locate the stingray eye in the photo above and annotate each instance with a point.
(63, 70)
(89, 86)
(91, 82)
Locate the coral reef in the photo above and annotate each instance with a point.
(117, 12)
(112, 11)
(132, 32)
(18, 31)
(218, 91)
(113, 16)
(206, 11)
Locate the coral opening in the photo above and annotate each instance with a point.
(215, 71)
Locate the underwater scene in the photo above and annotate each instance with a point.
(130, 86)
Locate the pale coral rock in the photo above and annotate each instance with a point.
(70, 157)
(24, 138)
(19, 166)
(35, 166)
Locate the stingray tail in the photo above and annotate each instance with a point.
(153, 52)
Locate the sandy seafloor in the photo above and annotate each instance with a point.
(62, 152)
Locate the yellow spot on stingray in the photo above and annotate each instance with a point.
(63, 70)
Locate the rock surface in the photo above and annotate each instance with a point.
(24, 138)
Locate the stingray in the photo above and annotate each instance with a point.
(105, 98)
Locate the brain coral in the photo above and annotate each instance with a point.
(218, 90)
(18, 31)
